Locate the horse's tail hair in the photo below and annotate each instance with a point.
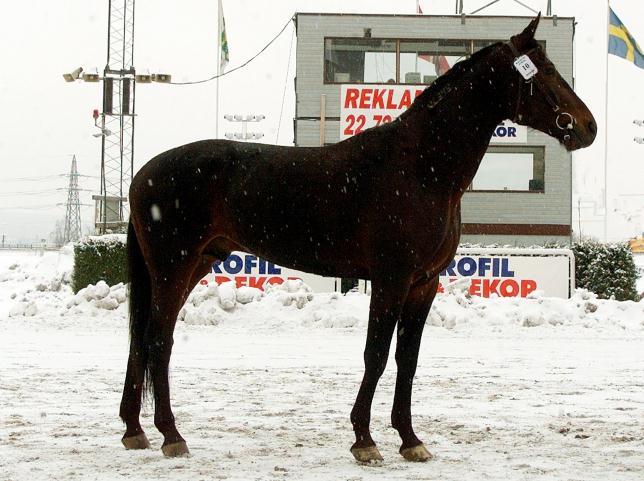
(140, 295)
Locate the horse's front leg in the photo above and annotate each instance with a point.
(387, 299)
(410, 332)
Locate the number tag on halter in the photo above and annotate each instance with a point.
(525, 67)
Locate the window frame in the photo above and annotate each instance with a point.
(539, 153)
(472, 42)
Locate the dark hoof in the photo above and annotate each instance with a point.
(417, 454)
(368, 455)
(140, 441)
(175, 450)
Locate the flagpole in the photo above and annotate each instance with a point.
(218, 70)
(606, 126)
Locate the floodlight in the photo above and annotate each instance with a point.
(639, 140)
(73, 75)
(639, 122)
(144, 77)
(162, 78)
(229, 117)
(229, 135)
(91, 76)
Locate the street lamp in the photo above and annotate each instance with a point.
(73, 75)
(244, 134)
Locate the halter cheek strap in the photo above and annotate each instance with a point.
(560, 120)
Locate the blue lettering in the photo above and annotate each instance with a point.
(505, 268)
(495, 267)
(501, 131)
(262, 266)
(273, 269)
(249, 263)
(467, 266)
(512, 131)
(484, 265)
(234, 264)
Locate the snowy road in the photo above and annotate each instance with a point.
(274, 404)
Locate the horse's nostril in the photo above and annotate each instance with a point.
(592, 127)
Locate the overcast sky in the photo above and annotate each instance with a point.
(44, 119)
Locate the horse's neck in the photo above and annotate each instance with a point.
(454, 134)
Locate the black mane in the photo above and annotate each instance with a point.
(451, 76)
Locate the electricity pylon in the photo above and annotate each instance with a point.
(72, 217)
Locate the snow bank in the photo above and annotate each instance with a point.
(37, 287)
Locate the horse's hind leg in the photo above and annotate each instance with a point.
(171, 285)
(387, 299)
(410, 331)
(134, 437)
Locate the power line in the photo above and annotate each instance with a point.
(240, 66)
(288, 66)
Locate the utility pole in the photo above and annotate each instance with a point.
(72, 230)
(117, 118)
(116, 121)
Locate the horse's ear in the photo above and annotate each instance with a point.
(525, 38)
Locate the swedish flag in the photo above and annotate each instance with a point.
(622, 43)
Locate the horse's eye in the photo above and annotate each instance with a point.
(550, 70)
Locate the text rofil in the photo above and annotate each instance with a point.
(235, 264)
(480, 267)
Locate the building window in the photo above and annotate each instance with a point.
(359, 60)
(422, 61)
(511, 169)
(381, 61)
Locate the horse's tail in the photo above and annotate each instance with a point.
(140, 300)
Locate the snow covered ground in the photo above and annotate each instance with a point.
(262, 386)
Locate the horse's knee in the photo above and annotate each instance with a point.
(375, 363)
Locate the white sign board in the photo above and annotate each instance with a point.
(249, 270)
(497, 272)
(512, 272)
(365, 106)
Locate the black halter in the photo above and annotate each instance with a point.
(561, 116)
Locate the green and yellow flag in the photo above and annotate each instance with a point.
(622, 43)
(223, 41)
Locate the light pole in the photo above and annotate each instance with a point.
(244, 134)
(639, 140)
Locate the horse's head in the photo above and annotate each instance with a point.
(545, 101)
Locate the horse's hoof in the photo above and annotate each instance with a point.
(175, 450)
(417, 454)
(368, 455)
(140, 441)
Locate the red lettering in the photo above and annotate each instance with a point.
(257, 282)
(378, 101)
(352, 98)
(275, 280)
(418, 92)
(489, 287)
(475, 287)
(527, 286)
(365, 98)
(441, 289)
(203, 282)
(405, 101)
(222, 279)
(241, 281)
(509, 288)
(390, 100)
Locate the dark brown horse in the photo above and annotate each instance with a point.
(384, 205)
